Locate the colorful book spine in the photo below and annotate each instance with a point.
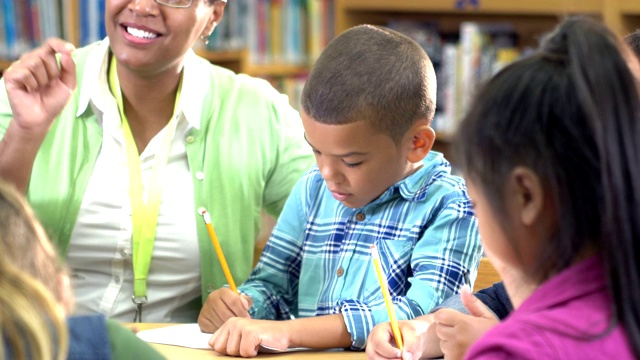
(275, 31)
(4, 51)
(11, 29)
(83, 13)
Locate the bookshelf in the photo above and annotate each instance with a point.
(273, 39)
(239, 62)
(525, 7)
(529, 19)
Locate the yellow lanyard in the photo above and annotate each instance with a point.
(144, 214)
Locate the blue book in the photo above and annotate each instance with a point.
(102, 30)
(83, 13)
(11, 33)
(4, 51)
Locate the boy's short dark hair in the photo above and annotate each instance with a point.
(375, 74)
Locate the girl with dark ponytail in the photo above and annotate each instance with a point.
(551, 154)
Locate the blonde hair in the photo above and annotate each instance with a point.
(32, 316)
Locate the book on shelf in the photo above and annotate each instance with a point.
(4, 48)
(13, 42)
(463, 61)
(275, 31)
(26, 24)
(92, 26)
(286, 33)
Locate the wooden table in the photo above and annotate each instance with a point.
(178, 352)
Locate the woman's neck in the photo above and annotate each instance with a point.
(149, 102)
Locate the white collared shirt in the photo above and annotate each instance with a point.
(100, 249)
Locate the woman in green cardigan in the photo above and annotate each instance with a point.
(118, 144)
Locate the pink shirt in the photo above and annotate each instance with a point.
(567, 317)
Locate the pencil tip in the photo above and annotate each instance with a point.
(202, 210)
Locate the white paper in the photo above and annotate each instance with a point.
(271, 350)
(185, 335)
(190, 336)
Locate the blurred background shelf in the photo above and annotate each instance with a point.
(522, 7)
(4, 64)
(630, 7)
(280, 39)
(239, 62)
(627, 19)
(467, 32)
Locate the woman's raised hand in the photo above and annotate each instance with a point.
(38, 88)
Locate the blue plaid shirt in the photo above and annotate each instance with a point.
(318, 259)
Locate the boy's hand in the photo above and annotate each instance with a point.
(38, 88)
(457, 331)
(242, 337)
(381, 344)
(222, 305)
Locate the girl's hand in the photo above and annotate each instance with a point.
(458, 331)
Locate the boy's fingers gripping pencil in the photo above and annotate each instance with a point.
(387, 297)
(216, 245)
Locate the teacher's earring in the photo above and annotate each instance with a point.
(205, 39)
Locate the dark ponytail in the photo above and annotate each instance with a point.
(571, 113)
(611, 96)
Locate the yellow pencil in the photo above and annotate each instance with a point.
(216, 245)
(387, 297)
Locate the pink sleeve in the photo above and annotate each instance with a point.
(511, 341)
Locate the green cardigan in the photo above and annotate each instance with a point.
(250, 147)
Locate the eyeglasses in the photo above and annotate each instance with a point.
(175, 3)
(179, 3)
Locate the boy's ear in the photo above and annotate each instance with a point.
(422, 138)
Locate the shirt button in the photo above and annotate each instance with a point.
(360, 216)
(123, 252)
(210, 289)
(190, 139)
(117, 279)
(200, 175)
(340, 271)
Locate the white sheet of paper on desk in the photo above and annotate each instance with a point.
(185, 335)
(271, 350)
(190, 336)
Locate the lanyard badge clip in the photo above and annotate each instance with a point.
(139, 301)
